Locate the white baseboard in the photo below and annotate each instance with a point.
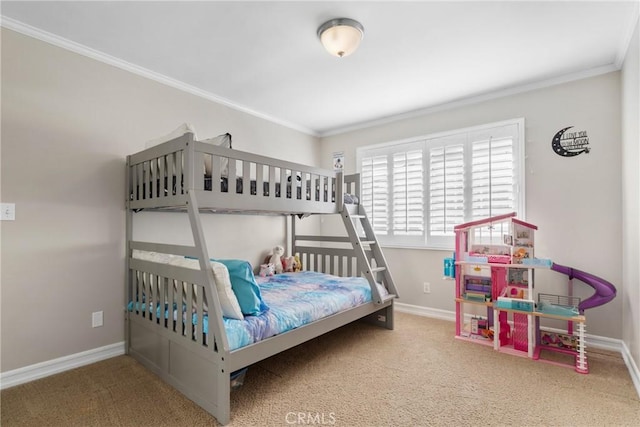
(55, 366)
(634, 371)
(434, 313)
(594, 341)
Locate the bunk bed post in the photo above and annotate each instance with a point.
(128, 237)
(193, 179)
(219, 344)
(340, 191)
(356, 185)
(291, 235)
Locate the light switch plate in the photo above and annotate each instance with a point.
(7, 211)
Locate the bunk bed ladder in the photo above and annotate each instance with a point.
(367, 247)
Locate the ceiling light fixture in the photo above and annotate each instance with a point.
(341, 36)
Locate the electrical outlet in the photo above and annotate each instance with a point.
(427, 287)
(97, 319)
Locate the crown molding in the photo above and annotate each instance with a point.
(623, 49)
(466, 101)
(61, 42)
(97, 55)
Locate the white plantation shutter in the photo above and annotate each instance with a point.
(415, 192)
(446, 188)
(492, 182)
(374, 179)
(408, 193)
(392, 180)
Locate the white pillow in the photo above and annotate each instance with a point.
(228, 301)
(223, 140)
(179, 131)
(152, 256)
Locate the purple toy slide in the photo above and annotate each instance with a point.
(605, 291)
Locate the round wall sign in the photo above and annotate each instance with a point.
(569, 144)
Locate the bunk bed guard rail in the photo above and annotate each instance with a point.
(226, 179)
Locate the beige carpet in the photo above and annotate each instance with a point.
(359, 375)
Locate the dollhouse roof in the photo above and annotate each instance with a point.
(493, 219)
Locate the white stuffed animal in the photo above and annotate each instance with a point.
(276, 258)
(267, 270)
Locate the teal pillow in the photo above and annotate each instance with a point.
(244, 285)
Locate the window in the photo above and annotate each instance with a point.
(416, 191)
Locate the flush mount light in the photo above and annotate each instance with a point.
(341, 36)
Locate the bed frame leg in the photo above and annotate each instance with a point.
(382, 317)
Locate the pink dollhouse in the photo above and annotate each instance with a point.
(494, 295)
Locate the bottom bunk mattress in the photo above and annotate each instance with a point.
(293, 300)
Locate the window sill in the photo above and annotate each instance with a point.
(420, 248)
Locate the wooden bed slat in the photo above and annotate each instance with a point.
(164, 180)
(140, 188)
(216, 179)
(180, 309)
(246, 178)
(157, 181)
(201, 294)
(170, 301)
(179, 173)
(170, 173)
(283, 182)
(231, 178)
(259, 178)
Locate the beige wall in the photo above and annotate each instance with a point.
(67, 124)
(68, 121)
(575, 202)
(630, 89)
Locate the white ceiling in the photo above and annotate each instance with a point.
(264, 57)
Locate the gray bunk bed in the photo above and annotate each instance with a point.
(172, 176)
